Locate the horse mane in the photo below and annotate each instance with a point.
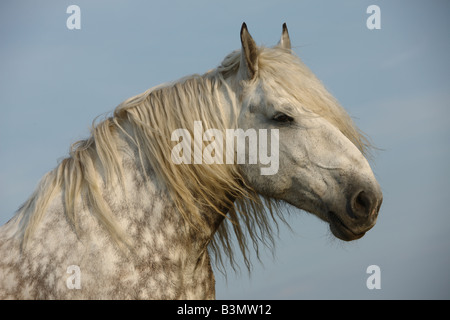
(153, 116)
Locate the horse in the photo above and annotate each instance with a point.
(119, 219)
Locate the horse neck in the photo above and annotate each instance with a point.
(149, 214)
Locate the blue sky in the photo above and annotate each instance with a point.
(395, 82)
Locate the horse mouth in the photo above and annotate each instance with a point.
(340, 230)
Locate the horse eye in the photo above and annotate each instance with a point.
(281, 117)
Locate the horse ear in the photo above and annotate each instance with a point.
(285, 41)
(249, 54)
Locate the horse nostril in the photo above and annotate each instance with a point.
(362, 204)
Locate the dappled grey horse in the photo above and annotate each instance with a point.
(137, 208)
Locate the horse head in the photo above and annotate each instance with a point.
(322, 166)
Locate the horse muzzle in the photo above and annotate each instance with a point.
(359, 216)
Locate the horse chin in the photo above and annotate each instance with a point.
(340, 230)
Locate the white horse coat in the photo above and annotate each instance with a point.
(118, 219)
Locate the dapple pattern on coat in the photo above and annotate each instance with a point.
(160, 266)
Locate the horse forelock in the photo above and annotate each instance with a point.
(281, 69)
